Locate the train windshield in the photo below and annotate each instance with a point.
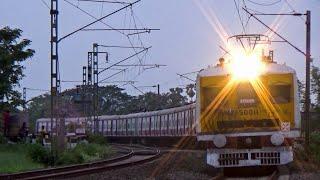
(209, 94)
(280, 93)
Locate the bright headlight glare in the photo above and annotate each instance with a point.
(245, 66)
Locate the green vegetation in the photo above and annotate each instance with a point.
(39, 154)
(84, 152)
(97, 139)
(315, 145)
(22, 157)
(14, 158)
(13, 52)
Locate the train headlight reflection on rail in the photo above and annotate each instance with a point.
(277, 139)
(219, 140)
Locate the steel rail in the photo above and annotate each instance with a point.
(49, 171)
(87, 168)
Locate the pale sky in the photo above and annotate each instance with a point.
(186, 42)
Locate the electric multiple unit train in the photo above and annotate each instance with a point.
(246, 114)
(248, 121)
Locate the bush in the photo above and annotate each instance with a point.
(70, 157)
(89, 149)
(39, 154)
(315, 145)
(106, 152)
(3, 140)
(97, 139)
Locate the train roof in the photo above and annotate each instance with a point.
(132, 115)
(270, 68)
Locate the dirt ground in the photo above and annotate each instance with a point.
(192, 165)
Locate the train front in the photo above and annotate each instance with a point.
(248, 112)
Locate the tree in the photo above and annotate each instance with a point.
(301, 91)
(191, 91)
(13, 51)
(39, 107)
(175, 97)
(315, 85)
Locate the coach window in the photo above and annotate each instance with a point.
(280, 93)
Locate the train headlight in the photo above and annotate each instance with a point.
(277, 139)
(219, 140)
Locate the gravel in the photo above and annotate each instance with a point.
(189, 166)
(174, 166)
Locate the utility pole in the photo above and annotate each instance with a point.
(89, 89)
(24, 95)
(158, 89)
(84, 92)
(54, 66)
(308, 59)
(307, 55)
(96, 87)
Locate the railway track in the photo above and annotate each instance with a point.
(134, 156)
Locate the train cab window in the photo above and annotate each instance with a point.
(209, 94)
(280, 93)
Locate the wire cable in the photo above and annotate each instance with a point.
(45, 3)
(265, 4)
(238, 11)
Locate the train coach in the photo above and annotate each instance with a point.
(178, 121)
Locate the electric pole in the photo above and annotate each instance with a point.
(307, 55)
(308, 59)
(96, 87)
(54, 67)
(24, 95)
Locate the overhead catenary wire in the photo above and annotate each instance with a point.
(97, 20)
(127, 36)
(37, 89)
(113, 75)
(240, 18)
(281, 37)
(292, 9)
(105, 1)
(45, 3)
(265, 4)
(181, 75)
(123, 60)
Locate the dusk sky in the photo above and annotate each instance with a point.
(188, 40)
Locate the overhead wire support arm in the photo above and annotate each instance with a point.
(124, 60)
(281, 37)
(99, 19)
(125, 47)
(140, 65)
(122, 29)
(276, 14)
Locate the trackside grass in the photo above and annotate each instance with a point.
(14, 158)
